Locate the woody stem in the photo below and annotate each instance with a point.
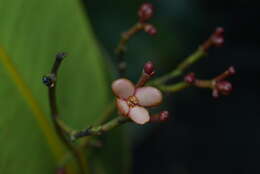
(100, 129)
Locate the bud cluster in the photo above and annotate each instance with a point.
(219, 85)
(222, 86)
(145, 12)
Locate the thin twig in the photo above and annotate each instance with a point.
(99, 130)
(121, 48)
(174, 88)
(196, 56)
(51, 83)
(103, 118)
(216, 39)
(87, 141)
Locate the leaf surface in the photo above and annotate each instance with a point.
(31, 33)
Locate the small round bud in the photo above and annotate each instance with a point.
(160, 117)
(223, 87)
(215, 40)
(219, 31)
(145, 12)
(149, 68)
(218, 37)
(150, 29)
(218, 41)
(164, 116)
(231, 70)
(190, 78)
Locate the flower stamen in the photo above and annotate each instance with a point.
(132, 101)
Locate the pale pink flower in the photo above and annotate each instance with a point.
(132, 102)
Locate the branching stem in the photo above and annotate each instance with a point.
(196, 56)
(174, 88)
(100, 129)
(55, 114)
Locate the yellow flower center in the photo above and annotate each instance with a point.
(132, 101)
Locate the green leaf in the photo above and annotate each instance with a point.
(115, 153)
(31, 33)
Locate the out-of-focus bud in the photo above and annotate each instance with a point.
(223, 87)
(190, 78)
(150, 29)
(164, 116)
(215, 40)
(149, 68)
(219, 85)
(161, 117)
(231, 70)
(145, 12)
(218, 37)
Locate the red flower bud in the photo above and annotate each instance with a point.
(218, 37)
(161, 117)
(190, 78)
(231, 70)
(149, 68)
(164, 116)
(223, 87)
(145, 12)
(219, 31)
(150, 29)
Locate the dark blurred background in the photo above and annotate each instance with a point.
(204, 135)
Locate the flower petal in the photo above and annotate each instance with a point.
(148, 96)
(122, 106)
(123, 88)
(139, 115)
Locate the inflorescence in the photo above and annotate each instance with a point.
(133, 100)
(219, 85)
